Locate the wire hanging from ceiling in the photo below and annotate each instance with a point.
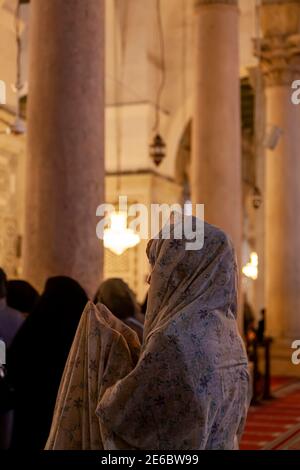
(183, 59)
(120, 48)
(256, 195)
(118, 237)
(158, 146)
(162, 65)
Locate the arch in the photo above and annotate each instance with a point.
(174, 134)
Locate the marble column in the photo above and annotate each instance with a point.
(216, 158)
(280, 60)
(65, 167)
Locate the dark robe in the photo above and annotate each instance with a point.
(21, 296)
(37, 357)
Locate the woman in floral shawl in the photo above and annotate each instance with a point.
(189, 389)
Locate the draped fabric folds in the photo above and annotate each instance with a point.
(104, 350)
(189, 389)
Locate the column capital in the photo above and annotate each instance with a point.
(279, 48)
(280, 59)
(278, 2)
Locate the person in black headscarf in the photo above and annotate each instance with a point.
(21, 296)
(37, 357)
(10, 318)
(10, 322)
(117, 296)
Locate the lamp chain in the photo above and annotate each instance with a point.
(163, 68)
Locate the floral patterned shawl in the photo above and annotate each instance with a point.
(104, 350)
(190, 387)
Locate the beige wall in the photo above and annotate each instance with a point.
(136, 69)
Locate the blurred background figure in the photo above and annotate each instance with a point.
(37, 358)
(10, 319)
(117, 296)
(22, 296)
(261, 326)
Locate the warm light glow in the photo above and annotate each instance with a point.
(118, 237)
(251, 268)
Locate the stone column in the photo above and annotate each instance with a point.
(216, 167)
(65, 174)
(280, 60)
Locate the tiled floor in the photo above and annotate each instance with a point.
(275, 424)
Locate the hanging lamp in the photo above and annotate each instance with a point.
(157, 145)
(118, 237)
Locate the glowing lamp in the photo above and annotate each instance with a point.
(118, 238)
(250, 269)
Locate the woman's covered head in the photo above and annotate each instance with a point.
(58, 310)
(21, 295)
(117, 296)
(204, 278)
